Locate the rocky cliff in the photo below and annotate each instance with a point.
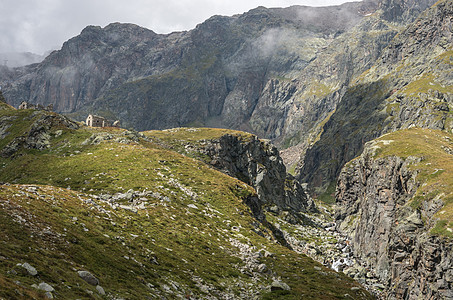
(409, 85)
(394, 201)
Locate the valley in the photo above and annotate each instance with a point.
(267, 155)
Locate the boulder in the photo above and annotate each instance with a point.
(278, 285)
(88, 277)
(31, 270)
(45, 287)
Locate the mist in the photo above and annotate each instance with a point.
(19, 59)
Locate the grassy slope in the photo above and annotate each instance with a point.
(59, 230)
(435, 170)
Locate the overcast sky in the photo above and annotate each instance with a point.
(41, 25)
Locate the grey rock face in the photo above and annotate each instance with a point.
(258, 163)
(279, 285)
(2, 98)
(100, 290)
(88, 277)
(389, 236)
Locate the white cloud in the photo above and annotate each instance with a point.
(38, 26)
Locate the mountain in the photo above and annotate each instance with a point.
(359, 97)
(278, 73)
(409, 85)
(215, 72)
(109, 213)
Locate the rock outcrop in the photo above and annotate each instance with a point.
(258, 163)
(43, 126)
(244, 156)
(390, 233)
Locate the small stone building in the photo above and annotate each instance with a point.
(96, 121)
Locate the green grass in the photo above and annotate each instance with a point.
(446, 57)
(328, 196)
(66, 230)
(424, 84)
(318, 89)
(193, 135)
(178, 138)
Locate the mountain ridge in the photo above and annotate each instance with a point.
(396, 93)
(212, 33)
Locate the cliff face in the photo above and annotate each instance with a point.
(259, 164)
(409, 85)
(392, 210)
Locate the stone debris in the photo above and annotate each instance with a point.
(278, 285)
(100, 290)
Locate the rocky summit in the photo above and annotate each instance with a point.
(293, 153)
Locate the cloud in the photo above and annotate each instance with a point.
(39, 26)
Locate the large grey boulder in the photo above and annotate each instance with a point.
(31, 270)
(45, 287)
(88, 277)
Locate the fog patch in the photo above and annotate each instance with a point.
(336, 18)
(13, 60)
(271, 41)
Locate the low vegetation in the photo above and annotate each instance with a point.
(146, 221)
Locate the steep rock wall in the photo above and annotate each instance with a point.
(409, 85)
(259, 164)
(388, 234)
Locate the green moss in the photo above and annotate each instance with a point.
(318, 89)
(194, 135)
(393, 108)
(446, 57)
(443, 228)
(424, 84)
